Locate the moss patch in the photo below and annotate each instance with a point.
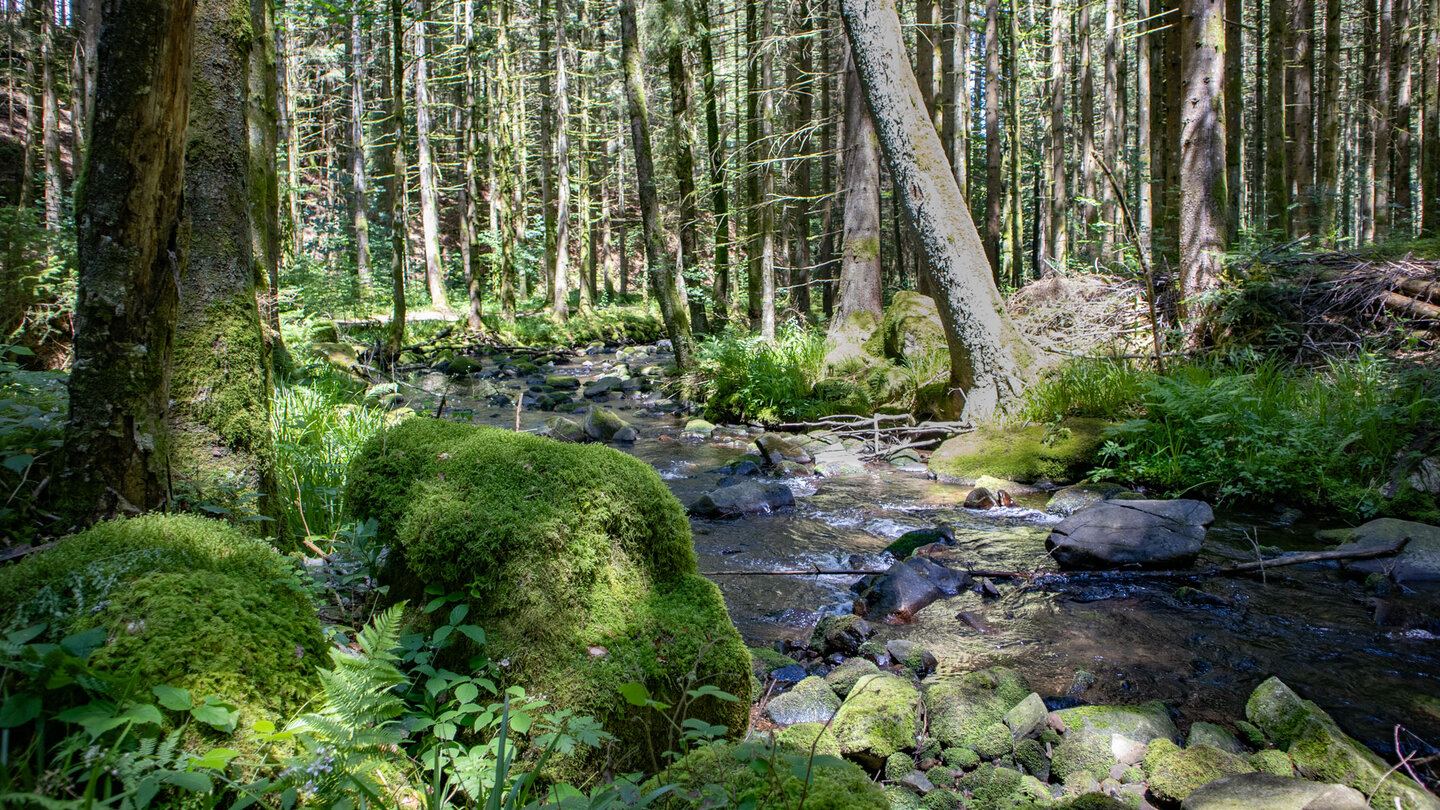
(880, 717)
(962, 710)
(577, 561)
(1059, 455)
(727, 775)
(1175, 773)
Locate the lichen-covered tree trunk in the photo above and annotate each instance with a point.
(989, 360)
(222, 373)
(1328, 178)
(1202, 154)
(507, 192)
(661, 272)
(399, 227)
(264, 124)
(470, 146)
(682, 120)
(994, 151)
(1056, 235)
(859, 290)
(132, 246)
(429, 173)
(1430, 147)
(715, 147)
(359, 218)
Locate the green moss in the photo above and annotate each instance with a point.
(963, 758)
(804, 737)
(901, 798)
(187, 602)
(994, 741)
(1031, 754)
(897, 765)
(722, 775)
(1272, 760)
(1094, 801)
(1174, 773)
(881, 716)
(1252, 736)
(563, 549)
(941, 799)
(1028, 454)
(962, 709)
(1004, 788)
(765, 660)
(910, 329)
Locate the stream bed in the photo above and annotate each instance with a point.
(1202, 652)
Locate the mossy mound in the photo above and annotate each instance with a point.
(910, 329)
(805, 737)
(1323, 753)
(577, 561)
(963, 710)
(880, 717)
(1095, 732)
(1175, 773)
(187, 601)
(1029, 454)
(734, 775)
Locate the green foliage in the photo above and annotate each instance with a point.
(766, 778)
(320, 423)
(748, 378)
(37, 283)
(1255, 429)
(32, 421)
(1105, 389)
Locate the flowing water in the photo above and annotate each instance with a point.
(1200, 652)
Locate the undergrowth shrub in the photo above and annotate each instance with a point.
(745, 377)
(33, 405)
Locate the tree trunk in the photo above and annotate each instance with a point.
(1300, 116)
(715, 147)
(1404, 202)
(1056, 236)
(289, 133)
(662, 276)
(470, 212)
(1234, 116)
(1277, 184)
(682, 119)
(359, 217)
(802, 84)
(1430, 148)
(222, 376)
(957, 95)
(429, 174)
(828, 263)
(1112, 130)
(994, 159)
(1085, 111)
(560, 273)
(1384, 123)
(49, 117)
(264, 118)
(399, 227)
(1328, 172)
(1202, 154)
(131, 242)
(1144, 157)
(1369, 87)
(507, 195)
(754, 294)
(766, 170)
(989, 360)
(1015, 220)
(859, 289)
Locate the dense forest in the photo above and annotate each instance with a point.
(703, 403)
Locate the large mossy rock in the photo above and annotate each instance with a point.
(910, 328)
(577, 560)
(1096, 737)
(1174, 772)
(1251, 791)
(964, 711)
(849, 342)
(880, 717)
(186, 602)
(1322, 752)
(1059, 455)
(765, 778)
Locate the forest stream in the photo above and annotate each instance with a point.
(1201, 652)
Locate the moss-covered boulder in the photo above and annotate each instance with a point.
(807, 737)
(1096, 737)
(810, 701)
(910, 329)
(1263, 790)
(844, 677)
(963, 710)
(187, 602)
(577, 561)
(880, 716)
(840, 634)
(1272, 761)
(1060, 455)
(1174, 773)
(765, 778)
(848, 344)
(1202, 733)
(1322, 752)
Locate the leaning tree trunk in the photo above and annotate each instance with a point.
(221, 375)
(132, 252)
(989, 359)
(657, 258)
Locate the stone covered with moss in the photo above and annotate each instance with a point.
(188, 602)
(844, 677)
(963, 711)
(1094, 735)
(1174, 773)
(1060, 455)
(806, 737)
(1322, 752)
(880, 717)
(577, 560)
(910, 329)
(726, 775)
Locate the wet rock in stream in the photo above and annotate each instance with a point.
(1131, 534)
(743, 498)
(907, 587)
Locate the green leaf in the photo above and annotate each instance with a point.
(81, 645)
(466, 692)
(144, 714)
(458, 613)
(190, 780)
(215, 759)
(217, 714)
(19, 462)
(173, 698)
(472, 632)
(17, 710)
(145, 793)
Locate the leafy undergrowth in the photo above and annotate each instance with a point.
(33, 405)
(1344, 436)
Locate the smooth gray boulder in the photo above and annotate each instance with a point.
(744, 498)
(1417, 565)
(811, 701)
(907, 587)
(1131, 534)
(1250, 791)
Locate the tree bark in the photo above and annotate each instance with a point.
(222, 376)
(1112, 129)
(507, 195)
(1235, 116)
(1430, 148)
(662, 276)
(399, 227)
(994, 159)
(1384, 122)
(1277, 184)
(859, 289)
(429, 173)
(1056, 179)
(1202, 155)
(682, 119)
(560, 273)
(803, 86)
(470, 210)
(49, 117)
(1369, 98)
(989, 360)
(1085, 111)
(131, 241)
(359, 216)
(715, 148)
(1327, 177)
(1404, 201)
(1300, 116)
